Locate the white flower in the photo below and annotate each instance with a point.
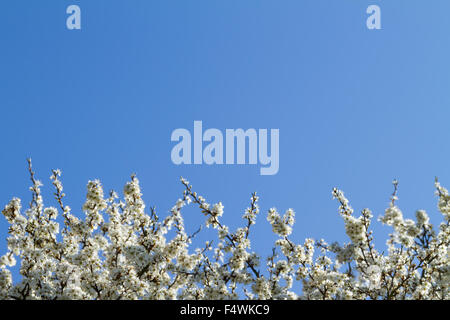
(121, 250)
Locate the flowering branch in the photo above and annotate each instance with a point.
(118, 251)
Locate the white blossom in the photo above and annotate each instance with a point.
(122, 249)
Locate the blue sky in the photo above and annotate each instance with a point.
(356, 108)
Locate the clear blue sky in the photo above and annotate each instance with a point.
(355, 108)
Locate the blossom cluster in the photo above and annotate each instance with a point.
(123, 250)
